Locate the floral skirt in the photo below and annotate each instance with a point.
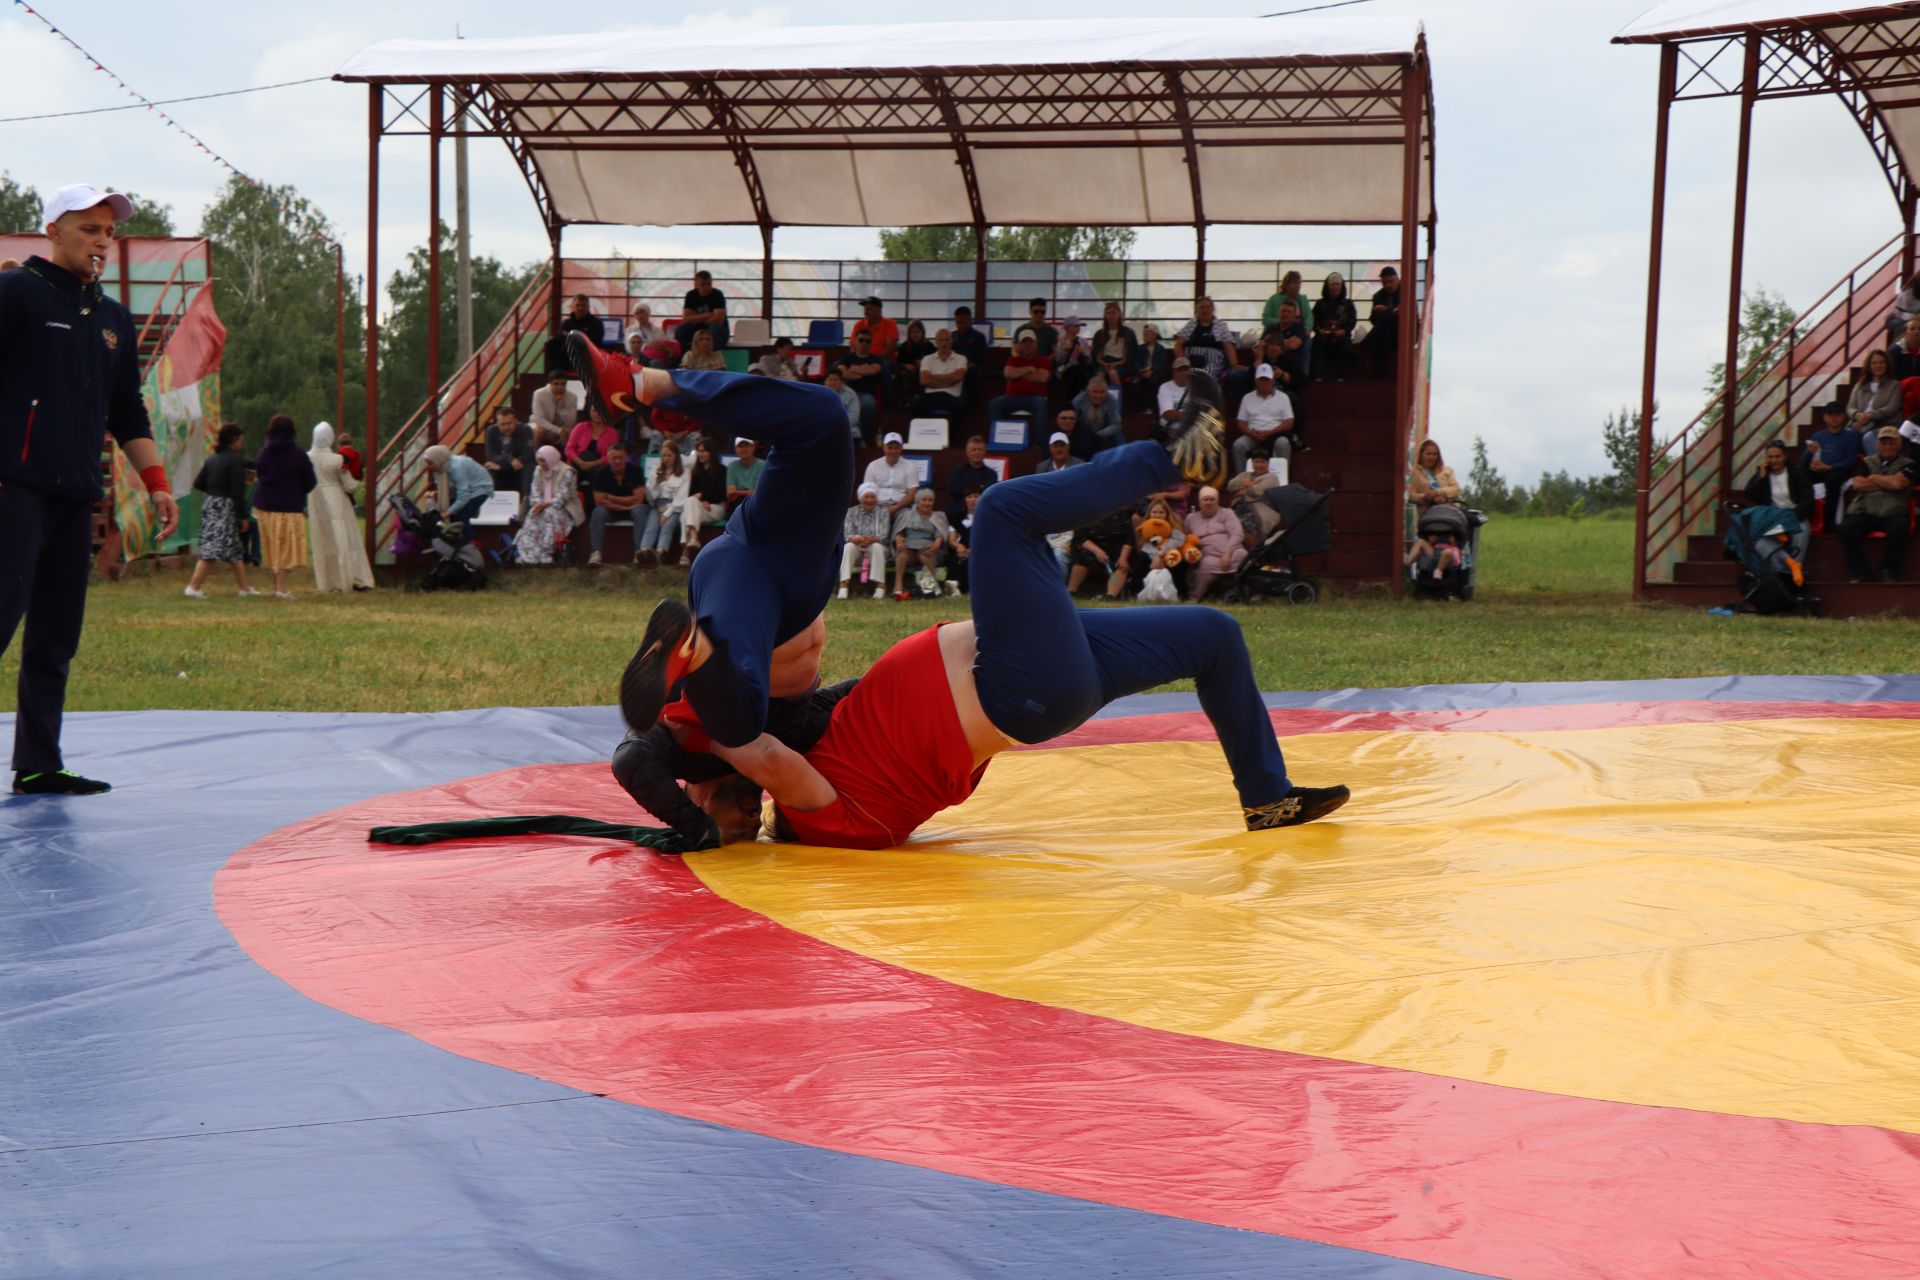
(283, 539)
(220, 531)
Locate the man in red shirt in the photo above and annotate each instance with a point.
(885, 333)
(1028, 374)
(1027, 668)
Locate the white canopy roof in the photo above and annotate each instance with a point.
(1071, 122)
(1711, 17)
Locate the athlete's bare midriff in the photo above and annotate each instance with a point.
(795, 665)
(958, 648)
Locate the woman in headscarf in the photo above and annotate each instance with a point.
(223, 513)
(553, 508)
(283, 477)
(461, 485)
(339, 551)
(1333, 319)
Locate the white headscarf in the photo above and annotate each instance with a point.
(546, 482)
(322, 438)
(438, 458)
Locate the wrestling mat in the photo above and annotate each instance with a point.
(1597, 980)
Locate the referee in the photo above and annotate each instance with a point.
(69, 373)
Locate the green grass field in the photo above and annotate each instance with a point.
(1553, 605)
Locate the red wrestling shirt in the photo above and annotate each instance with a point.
(894, 751)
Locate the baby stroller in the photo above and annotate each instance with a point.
(458, 566)
(1447, 525)
(1771, 580)
(1305, 529)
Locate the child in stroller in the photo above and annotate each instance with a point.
(1441, 561)
(1772, 580)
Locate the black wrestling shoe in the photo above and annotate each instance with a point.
(1302, 804)
(1199, 439)
(651, 671)
(61, 782)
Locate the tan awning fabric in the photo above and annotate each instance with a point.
(1294, 120)
(1714, 17)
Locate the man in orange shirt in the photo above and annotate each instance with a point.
(886, 334)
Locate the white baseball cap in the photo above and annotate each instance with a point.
(892, 437)
(1264, 371)
(1059, 437)
(84, 195)
(740, 440)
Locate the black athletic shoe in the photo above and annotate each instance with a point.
(61, 782)
(1199, 441)
(1302, 804)
(644, 684)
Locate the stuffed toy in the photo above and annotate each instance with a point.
(1165, 547)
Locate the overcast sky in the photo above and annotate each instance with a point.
(1545, 160)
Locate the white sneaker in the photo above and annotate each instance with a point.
(843, 591)
(953, 588)
(250, 591)
(594, 558)
(194, 593)
(879, 593)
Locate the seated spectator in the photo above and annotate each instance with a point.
(579, 317)
(893, 477)
(1875, 401)
(1116, 350)
(553, 509)
(1206, 341)
(1246, 494)
(666, 503)
(641, 322)
(1161, 541)
(778, 363)
(349, 456)
(637, 343)
(1334, 318)
(1223, 543)
(702, 355)
(1104, 547)
(1431, 482)
(919, 541)
(706, 501)
(1288, 350)
(555, 410)
(1072, 358)
(838, 385)
(1097, 414)
(1153, 364)
(1906, 306)
(509, 448)
(1833, 454)
(1905, 353)
(1060, 445)
(906, 361)
(618, 488)
(1027, 373)
(866, 528)
(943, 377)
(588, 442)
(960, 545)
(1170, 401)
(743, 473)
(1288, 291)
(865, 375)
(1383, 334)
(974, 473)
(1776, 484)
(973, 344)
(705, 307)
(1045, 336)
(1265, 419)
(882, 333)
(1877, 501)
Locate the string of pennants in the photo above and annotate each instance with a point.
(166, 119)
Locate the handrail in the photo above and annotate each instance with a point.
(160, 299)
(1771, 394)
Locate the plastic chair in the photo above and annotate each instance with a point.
(738, 358)
(750, 331)
(826, 333)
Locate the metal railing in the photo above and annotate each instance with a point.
(1149, 291)
(462, 405)
(1796, 372)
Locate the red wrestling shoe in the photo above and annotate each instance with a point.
(611, 380)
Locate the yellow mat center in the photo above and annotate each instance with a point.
(1723, 917)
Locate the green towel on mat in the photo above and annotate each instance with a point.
(662, 839)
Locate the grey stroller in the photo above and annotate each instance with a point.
(1447, 525)
(1305, 529)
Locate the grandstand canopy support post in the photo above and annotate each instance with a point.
(1909, 198)
(1730, 394)
(555, 296)
(339, 338)
(980, 233)
(1413, 99)
(375, 94)
(436, 126)
(1643, 481)
(766, 273)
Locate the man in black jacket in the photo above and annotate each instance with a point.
(69, 373)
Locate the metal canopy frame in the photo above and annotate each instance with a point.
(1372, 99)
(1852, 56)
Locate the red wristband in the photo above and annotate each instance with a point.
(155, 478)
